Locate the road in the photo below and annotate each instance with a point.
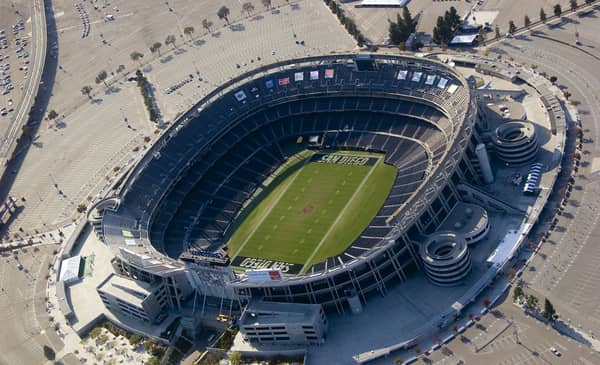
(38, 46)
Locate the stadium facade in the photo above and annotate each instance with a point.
(172, 210)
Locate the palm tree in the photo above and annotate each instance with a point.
(156, 47)
(573, 4)
(189, 31)
(223, 13)
(527, 21)
(266, 3)
(86, 90)
(170, 40)
(248, 7)
(136, 56)
(102, 75)
(207, 24)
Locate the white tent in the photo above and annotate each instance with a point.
(69, 269)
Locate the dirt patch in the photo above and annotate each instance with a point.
(308, 208)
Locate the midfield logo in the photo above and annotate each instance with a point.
(342, 159)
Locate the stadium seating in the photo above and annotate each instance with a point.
(188, 189)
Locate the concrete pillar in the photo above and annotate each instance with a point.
(484, 163)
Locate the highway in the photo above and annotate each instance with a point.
(39, 40)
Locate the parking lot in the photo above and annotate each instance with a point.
(26, 327)
(15, 46)
(75, 155)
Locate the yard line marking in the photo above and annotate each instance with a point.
(267, 211)
(358, 188)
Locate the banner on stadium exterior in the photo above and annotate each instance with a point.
(252, 263)
(343, 159)
(329, 73)
(284, 81)
(314, 75)
(269, 84)
(299, 76)
(258, 276)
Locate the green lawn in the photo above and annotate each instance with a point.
(311, 211)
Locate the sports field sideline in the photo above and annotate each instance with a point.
(316, 206)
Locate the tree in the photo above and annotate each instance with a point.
(156, 47)
(573, 4)
(235, 358)
(512, 27)
(532, 301)
(566, 94)
(445, 26)
(171, 39)
(553, 79)
(49, 353)
(404, 26)
(266, 4)
(527, 21)
(223, 13)
(120, 68)
(441, 31)
(86, 90)
(101, 77)
(452, 18)
(542, 15)
(498, 35)
(153, 361)
(549, 311)
(517, 293)
(557, 10)
(189, 31)
(52, 114)
(248, 7)
(481, 36)
(207, 24)
(136, 56)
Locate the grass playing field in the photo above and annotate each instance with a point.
(312, 210)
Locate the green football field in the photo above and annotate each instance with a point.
(312, 210)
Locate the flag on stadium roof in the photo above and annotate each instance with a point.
(284, 81)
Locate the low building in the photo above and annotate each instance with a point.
(134, 298)
(283, 323)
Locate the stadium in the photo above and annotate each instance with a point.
(309, 180)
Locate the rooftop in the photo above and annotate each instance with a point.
(464, 218)
(128, 290)
(261, 313)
